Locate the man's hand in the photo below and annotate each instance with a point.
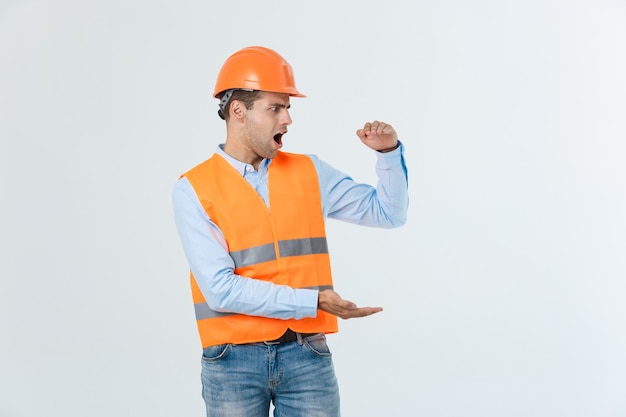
(378, 136)
(330, 302)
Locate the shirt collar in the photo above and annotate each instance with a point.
(241, 167)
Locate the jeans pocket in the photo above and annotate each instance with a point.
(215, 353)
(317, 345)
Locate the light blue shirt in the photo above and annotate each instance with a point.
(205, 247)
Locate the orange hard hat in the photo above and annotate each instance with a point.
(256, 68)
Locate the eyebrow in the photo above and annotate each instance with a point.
(284, 106)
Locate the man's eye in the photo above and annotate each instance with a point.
(274, 109)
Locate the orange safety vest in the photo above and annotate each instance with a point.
(284, 245)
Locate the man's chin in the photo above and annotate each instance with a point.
(272, 154)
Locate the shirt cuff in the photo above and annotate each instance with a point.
(307, 303)
(389, 157)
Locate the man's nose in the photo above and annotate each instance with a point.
(286, 119)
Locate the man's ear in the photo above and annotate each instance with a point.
(237, 109)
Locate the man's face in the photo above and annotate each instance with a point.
(266, 123)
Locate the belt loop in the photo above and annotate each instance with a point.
(299, 338)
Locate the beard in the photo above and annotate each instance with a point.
(262, 144)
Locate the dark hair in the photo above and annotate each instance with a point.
(247, 97)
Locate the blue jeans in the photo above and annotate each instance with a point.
(297, 377)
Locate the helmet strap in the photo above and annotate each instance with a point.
(226, 98)
(224, 101)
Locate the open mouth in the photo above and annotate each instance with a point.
(278, 138)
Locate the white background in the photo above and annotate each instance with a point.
(503, 294)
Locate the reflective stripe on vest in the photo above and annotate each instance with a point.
(285, 245)
(293, 247)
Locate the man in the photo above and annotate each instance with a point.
(251, 220)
